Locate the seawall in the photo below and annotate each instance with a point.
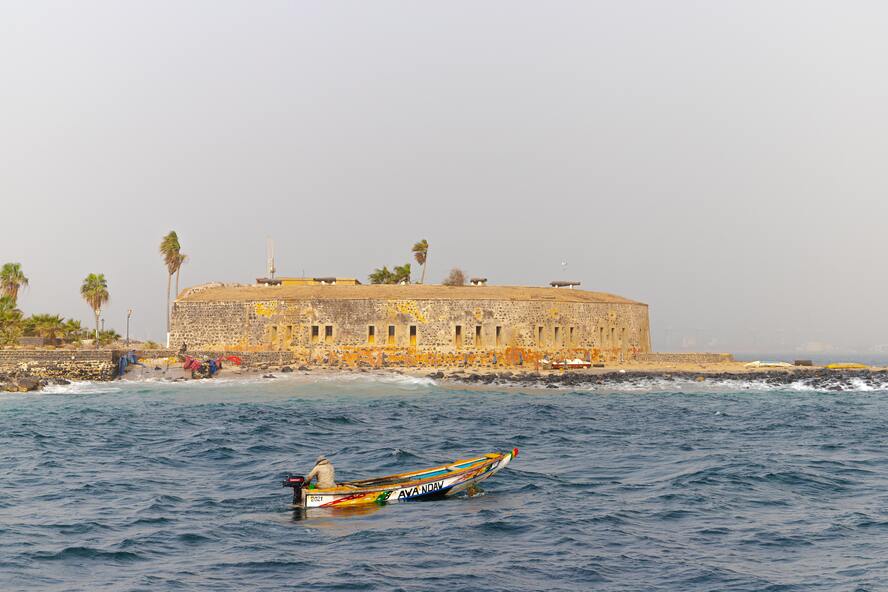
(66, 364)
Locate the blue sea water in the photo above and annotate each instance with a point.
(176, 486)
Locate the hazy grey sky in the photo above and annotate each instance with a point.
(722, 161)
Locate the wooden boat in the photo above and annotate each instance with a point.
(571, 364)
(847, 366)
(436, 482)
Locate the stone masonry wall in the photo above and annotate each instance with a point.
(68, 364)
(425, 332)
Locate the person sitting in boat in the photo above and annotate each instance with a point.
(324, 472)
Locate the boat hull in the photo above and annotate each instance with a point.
(418, 486)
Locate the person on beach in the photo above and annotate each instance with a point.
(324, 472)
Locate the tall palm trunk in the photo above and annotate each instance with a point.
(424, 263)
(169, 283)
(177, 281)
(98, 312)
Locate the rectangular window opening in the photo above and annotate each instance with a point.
(371, 334)
(315, 332)
(478, 342)
(391, 335)
(499, 336)
(571, 336)
(540, 336)
(328, 334)
(288, 334)
(412, 335)
(457, 337)
(274, 334)
(557, 336)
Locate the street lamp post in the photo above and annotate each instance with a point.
(129, 313)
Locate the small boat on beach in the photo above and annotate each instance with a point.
(571, 364)
(433, 483)
(847, 366)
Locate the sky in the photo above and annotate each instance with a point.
(724, 162)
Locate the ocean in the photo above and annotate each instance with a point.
(661, 486)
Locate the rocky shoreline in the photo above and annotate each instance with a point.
(814, 379)
(12, 383)
(31, 371)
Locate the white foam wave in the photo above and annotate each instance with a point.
(81, 388)
(375, 377)
(729, 385)
(267, 378)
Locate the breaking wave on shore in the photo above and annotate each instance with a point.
(688, 383)
(859, 382)
(394, 379)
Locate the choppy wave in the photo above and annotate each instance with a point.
(713, 485)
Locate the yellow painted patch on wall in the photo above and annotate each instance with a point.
(266, 309)
(410, 307)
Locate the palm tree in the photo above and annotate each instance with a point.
(108, 336)
(48, 326)
(10, 321)
(11, 279)
(95, 291)
(381, 275)
(401, 274)
(169, 250)
(72, 330)
(421, 254)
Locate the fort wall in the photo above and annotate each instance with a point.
(413, 325)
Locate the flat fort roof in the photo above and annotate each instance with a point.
(229, 293)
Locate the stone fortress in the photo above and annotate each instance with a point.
(341, 322)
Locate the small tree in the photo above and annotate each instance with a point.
(421, 254)
(456, 277)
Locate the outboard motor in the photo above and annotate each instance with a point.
(296, 482)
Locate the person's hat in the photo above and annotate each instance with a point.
(320, 458)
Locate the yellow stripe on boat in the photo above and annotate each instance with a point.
(437, 481)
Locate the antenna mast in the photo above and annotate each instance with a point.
(269, 253)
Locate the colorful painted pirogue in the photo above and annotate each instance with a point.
(431, 483)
